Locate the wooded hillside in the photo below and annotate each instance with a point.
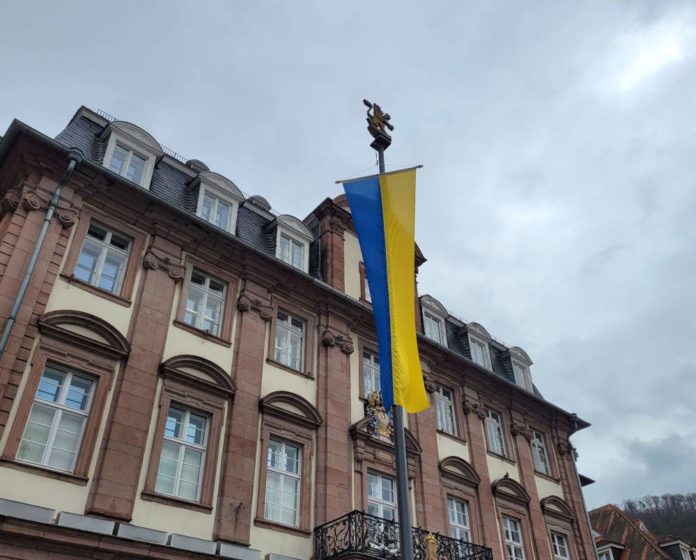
(669, 514)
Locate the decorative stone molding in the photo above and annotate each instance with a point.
(460, 470)
(249, 302)
(9, 202)
(292, 407)
(153, 261)
(518, 428)
(510, 489)
(31, 201)
(66, 217)
(430, 385)
(564, 447)
(344, 343)
(471, 406)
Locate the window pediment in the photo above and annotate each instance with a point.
(516, 353)
(477, 330)
(360, 431)
(85, 330)
(294, 226)
(557, 507)
(199, 373)
(290, 406)
(434, 305)
(220, 184)
(128, 131)
(460, 470)
(510, 489)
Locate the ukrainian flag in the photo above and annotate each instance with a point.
(383, 211)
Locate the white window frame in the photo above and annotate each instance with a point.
(486, 351)
(458, 529)
(539, 449)
(282, 476)
(439, 321)
(293, 237)
(514, 549)
(371, 369)
(495, 432)
(219, 196)
(559, 545)
(605, 554)
(133, 147)
(444, 411)
(105, 248)
(60, 408)
(380, 503)
(183, 445)
(523, 377)
(282, 333)
(207, 292)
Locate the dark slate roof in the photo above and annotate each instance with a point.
(173, 186)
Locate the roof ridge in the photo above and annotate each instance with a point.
(650, 540)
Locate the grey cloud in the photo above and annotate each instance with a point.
(556, 206)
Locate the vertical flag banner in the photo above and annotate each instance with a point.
(383, 210)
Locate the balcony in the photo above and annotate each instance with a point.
(359, 535)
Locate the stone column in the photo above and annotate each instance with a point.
(430, 511)
(234, 515)
(488, 528)
(522, 437)
(115, 485)
(334, 463)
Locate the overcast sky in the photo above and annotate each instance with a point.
(557, 204)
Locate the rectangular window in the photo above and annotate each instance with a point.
(291, 251)
(282, 502)
(53, 432)
(183, 454)
(216, 211)
(560, 546)
(539, 454)
(459, 519)
(479, 352)
(432, 326)
(513, 539)
(128, 164)
(522, 377)
(444, 405)
(103, 258)
(381, 496)
(290, 341)
(494, 432)
(205, 300)
(605, 555)
(370, 373)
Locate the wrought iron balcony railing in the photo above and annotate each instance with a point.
(369, 536)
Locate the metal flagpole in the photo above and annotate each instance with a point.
(377, 122)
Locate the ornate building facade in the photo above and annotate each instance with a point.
(189, 374)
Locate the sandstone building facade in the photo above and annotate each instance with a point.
(189, 376)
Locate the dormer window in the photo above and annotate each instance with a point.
(290, 250)
(479, 352)
(522, 376)
(434, 316)
(292, 242)
(520, 362)
(131, 152)
(478, 345)
(218, 200)
(128, 164)
(432, 325)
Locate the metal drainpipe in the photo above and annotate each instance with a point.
(574, 419)
(75, 156)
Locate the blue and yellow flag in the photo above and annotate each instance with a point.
(383, 209)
